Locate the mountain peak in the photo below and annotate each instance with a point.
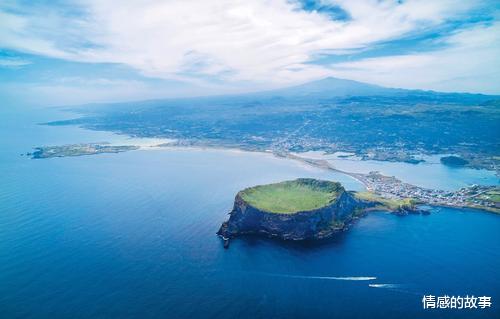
(332, 86)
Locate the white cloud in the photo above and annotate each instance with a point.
(470, 63)
(23, 32)
(262, 41)
(13, 62)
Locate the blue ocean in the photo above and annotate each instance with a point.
(132, 235)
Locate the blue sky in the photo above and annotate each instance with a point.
(72, 52)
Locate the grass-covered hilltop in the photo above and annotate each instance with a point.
(290, 197)
(303, 209)
(292, 210)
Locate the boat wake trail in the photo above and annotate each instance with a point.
(403, 288)
(396, 288)
(324, 277)
(387, 286)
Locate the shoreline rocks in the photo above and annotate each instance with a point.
(312, 224)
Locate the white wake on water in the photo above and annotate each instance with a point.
(325, 277)
(388, 286)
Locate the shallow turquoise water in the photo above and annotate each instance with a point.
(133, 235)
(428, 174)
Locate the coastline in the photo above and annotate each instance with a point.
(324, 164)
(149, 144)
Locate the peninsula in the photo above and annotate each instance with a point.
(79, 150)
(300, 209)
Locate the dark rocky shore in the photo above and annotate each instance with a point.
(333, 217)
(313, 224)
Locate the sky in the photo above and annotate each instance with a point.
(72, 52)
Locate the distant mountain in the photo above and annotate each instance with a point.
(331, 87)
(334, 88)
(319, 91)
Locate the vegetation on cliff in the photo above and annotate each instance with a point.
(292, 196)
(390, 204)
(292, 210)
(304, 209)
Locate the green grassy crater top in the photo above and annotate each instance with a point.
(292, 196)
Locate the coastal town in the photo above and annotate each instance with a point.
(478, 196)
(486, 197)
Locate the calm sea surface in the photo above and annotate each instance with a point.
(132, 235)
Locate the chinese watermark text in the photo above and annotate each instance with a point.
(456, 302)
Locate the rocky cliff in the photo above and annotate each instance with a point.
(313, 224)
